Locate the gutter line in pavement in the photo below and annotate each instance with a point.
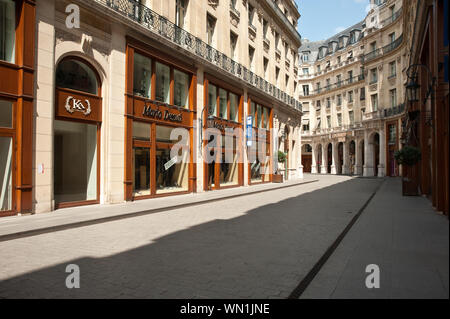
(303, 285)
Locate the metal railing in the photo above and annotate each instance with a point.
(381, 51)
(150, 20)
(339, 84)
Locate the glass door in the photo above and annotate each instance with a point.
(6, 156)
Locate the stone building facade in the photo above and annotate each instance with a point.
(104, 96)
(352, 91)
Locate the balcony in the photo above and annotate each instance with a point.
(136, 13)
(394, 111)
(382, 51)
(392, 19)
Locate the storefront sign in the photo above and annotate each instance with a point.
(249, 130)
(75, 105)
(160, 115)
(171, 163)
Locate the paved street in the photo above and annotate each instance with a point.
(256, 246)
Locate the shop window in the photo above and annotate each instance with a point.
(7, 30)
(259, 116)
(234, 107)
(163, 134)
(6, 151)
(76, 75)
(162, 83)
(141, 131)
(223, 104)
(141, 168)
(229, 172)
(6, 114)
(212, 99)
(181, 97)
(75, 161)
(171, 176)
(142, 76)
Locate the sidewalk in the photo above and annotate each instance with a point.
(30, 225)
(405, 237)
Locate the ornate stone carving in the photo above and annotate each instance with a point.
(213, 3)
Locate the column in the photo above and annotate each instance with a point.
(324, 166)
(358, 158)
(346, 167)
(45, 92)
(314, 160)
(368, 155)
(382, 166)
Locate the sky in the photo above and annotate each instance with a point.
(322, 19)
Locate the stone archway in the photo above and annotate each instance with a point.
(329, 158)
(307, 158)
(376, 153)
(319, 158)
(340, 158)
(352, 157)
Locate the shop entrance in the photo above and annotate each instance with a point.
(76, 134)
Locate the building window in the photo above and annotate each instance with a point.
(329, 121)
(362, 94)
(212, 100)
(373, 76)
(350, 97)
(351, 117)
(162, 83)
(305, 57)
(277, 75)
(305, 71)
(251, 13)
(181, 89)
(234, 107)
(251, 57)
(350, 77)
(318, 68)
(392, 37)
(210, 29)
(76, 75)
(328, 102)
(339, 80)
(266, 68)
(6, 157)
(392, 69)
(265, 28)
(180, 12)
(287, 81)
(233, 45)
(393, 97)
(305, 90)
(374, 99)
(7, 30)
(373, 46)
(339, 119)
(339, 100)
(142, 83)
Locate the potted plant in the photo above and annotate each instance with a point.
(278, 178)
(408, 157)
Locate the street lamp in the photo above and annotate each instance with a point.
(412, 91)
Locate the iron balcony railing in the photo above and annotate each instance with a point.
(395, 110)
(340, 84)
(381, 51)
(392, 18)
(160, 25)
